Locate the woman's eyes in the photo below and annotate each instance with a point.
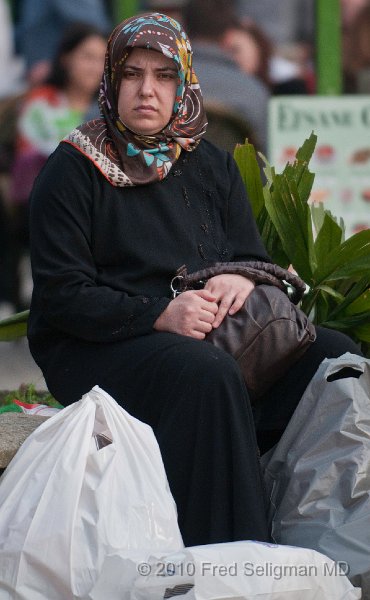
(131, 75)
(160, 76)
(170, 76)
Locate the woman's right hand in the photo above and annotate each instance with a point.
(191, 313)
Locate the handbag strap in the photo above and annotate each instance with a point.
(257, 271)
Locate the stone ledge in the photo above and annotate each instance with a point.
(14, 429)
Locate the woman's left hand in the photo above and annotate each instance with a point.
(230, 291)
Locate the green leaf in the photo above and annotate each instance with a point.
(318, 215)
(271, 239)
(289, 214)
(354, 268)
(299, 172)
(268, 170)
(329, 290)
(355, 300)
(321, 308)
(246, 159)
(14, 326)
(361, 304)
(347, 322)
(346, 259)
(329, 238)
(302, 178)
(305, 152)
(305, 186)
(363, 332)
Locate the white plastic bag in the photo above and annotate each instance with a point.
(85, 519)
(318, 475)
(230, 571)
(87, 482)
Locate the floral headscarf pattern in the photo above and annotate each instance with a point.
(126, 158)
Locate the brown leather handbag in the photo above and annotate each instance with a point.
(269, 333)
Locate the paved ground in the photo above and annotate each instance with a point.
(17, 366)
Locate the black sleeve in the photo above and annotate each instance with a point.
(65, 289)
(242, 233)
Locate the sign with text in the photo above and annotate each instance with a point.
(341, 161)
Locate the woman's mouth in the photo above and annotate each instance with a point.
(145, 108)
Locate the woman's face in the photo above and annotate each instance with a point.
(147, 92)
(85, 64)
(243, 49)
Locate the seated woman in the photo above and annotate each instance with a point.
(122, 203)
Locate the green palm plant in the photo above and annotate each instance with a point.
(310, 238)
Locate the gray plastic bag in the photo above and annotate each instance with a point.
(318, 475)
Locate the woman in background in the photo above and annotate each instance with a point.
(255, 55)
(356, 53)
(250, 48)
(47, 113)
(51, 110)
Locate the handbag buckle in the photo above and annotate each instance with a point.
(178, 289)
(174, 289)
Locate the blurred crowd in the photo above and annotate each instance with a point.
(51, 60)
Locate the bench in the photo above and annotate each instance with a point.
(14, 429)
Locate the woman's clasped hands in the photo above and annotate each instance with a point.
(195, 313)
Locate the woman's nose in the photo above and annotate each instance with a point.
(147, 85)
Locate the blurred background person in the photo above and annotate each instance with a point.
(41, 24)
(356, 49)
(255, 54)
(251, 49)
(11, 84)
(206, 22)
(284, 21)
(48, 113)
(350, 10)
(290, 27)
(11, 66)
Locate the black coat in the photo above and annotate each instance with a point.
(103, 257)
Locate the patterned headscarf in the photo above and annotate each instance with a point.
(126, 158)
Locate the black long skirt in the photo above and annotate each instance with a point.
(194, 398)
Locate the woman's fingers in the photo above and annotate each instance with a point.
(209, 300)
(203, 327)
(223, 309)
(196, 312)
(238, 303)
(197, 335)
(231, 291)
(206, 317)
(191, 313)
